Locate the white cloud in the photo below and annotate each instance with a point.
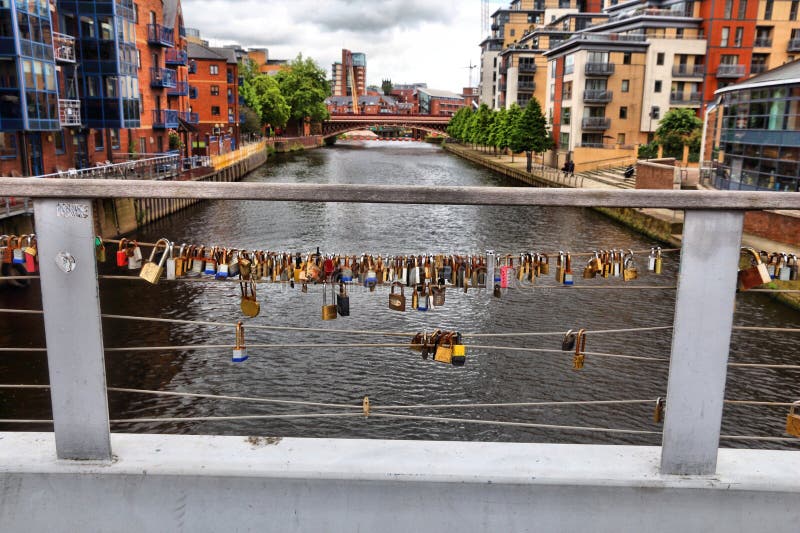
(404, 40)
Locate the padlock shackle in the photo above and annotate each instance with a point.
(756, 255)
(158, 243)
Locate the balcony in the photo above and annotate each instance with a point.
(501, 87)
(163, 78)
(191, 118)
(158, 35)
(688, 71)
(503, 69)
(762, 42)
(527, 67)
(685, 98)
(165, 118)
(596, 96)
(64, 47)
(230, 77)
(181, 89)
(730, 71)
(599, 69)
(176, 57)
(794, 45)
(526, 87)
(69, 112)
(596, 123)
(757, 68)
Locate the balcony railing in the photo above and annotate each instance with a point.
(730, 71)
(527, 67)
(64, 47)
(596, 123)
(688, 71)
(162, 78)
(69, 112)
(165, 118)
(685, 98)
(176, 57)
(794, 45)
(158, 35)
(527, 86)
(597, 96)
(191, 118)
(757, 68)
(181, 89)
(762, 42)
(599, 69)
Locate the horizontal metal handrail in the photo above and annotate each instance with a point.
(399, 194)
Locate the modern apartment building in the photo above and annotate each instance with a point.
(81, 82)
(349, 75)
(440, 103)
(214, 97)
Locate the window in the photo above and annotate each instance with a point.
(138, 59)
(768, 10)
(99, 141)
(213, 70)
(8, 145)
(566, 90)
(626, 85)
(660, 58)
(620, 138)
(657, 87)
(723, 41)
(626, 58)
(623, 112)
(569, 64)
(58, 141)
(142, 145)
(114, 134)
(566, 115)
(215, 90)
(737, 39)
(136, 13)
(564, 140)
(215, 110)
(793, 10)
(512, 32)
(152, 17)
(742, 9)
(728, 9)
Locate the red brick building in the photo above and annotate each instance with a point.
(214, 96)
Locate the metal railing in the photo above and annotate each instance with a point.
(599, 69)
(163, 78)
(596, 123)
(762, 42)
(688, 71)
(794, 45)
(12, 206)
(527, 67)
(689, 98)
(165, 118)
(69, 112)
(597, 95)
(64, 47)
(701, 335)
(132, 167)
(730, 71)
(181, 89)
(175, 56)
(159, 35)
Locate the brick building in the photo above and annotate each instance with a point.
(214, 97)
(440, 103)
(349, 75)
(87, 82)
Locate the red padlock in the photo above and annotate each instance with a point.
(30, 254)
(122, 253)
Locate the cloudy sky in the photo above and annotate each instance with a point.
(431, 41)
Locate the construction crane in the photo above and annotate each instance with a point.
(353, 88)
(470, 67)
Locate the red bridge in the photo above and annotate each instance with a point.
(339, 124)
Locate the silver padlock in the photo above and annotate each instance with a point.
(170, 265)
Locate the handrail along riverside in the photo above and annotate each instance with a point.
(701, 338)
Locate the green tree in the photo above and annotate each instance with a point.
(252, 122)
(302, 83)
(482, 124)
(513, 116)
(531, 134)
(262, 94)
(386, 87)
(457, 125)
(497, 130)
(680, 127)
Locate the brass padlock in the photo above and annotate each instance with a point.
(569, 279)
(544, 265)
(99, 250)
(658, 412)
(629, 270)
(444, 350)
(580, 349)
(249, 304)
(659, 261)
(560, 268)
(328, 310)
(151, 272)
(438, 295)
(239, 350)
(397, 302)
(755, 275)
(793, 420)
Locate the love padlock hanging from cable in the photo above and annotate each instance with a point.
(249, 304)
(239, 350)
(580, 349)
(793, 420)
(122, 253)
(658, 411)
(328, 310)
(151, 272)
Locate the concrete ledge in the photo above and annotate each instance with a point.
(209, 483)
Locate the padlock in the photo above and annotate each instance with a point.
(605, 258)
(31, 252)
(658, 411)
(198, 259)
(397, 302)
(589, 271)
(240, 350)
(328, 310)
(249, 304)
(755, 275)
(580, 349)
(151, 272)
(169, 266)
(371, 277)
(418, 342)
(793, 420)
(444, 349)
(210, 262)
(793, 267)
(785, 272)
(99, 250)
(134, 255)
(569, 279)
(122, 253)
(651, 260)
(459, 351)
(222, 264)
(629, 270)
(422, 298)
(560, 268)
(544, 265)
(438, 294)
(345, 271)
(772, 264)
(17, 255)
(506, 271)
(181, 261)
(233, 263)
(568, 342)
(659, 261)
(617, 260)
(497, 293)
(343, 301)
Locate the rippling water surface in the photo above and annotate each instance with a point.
(396, 375)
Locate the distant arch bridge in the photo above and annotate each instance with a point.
(338, 124)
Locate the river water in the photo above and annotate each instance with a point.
(393, 375)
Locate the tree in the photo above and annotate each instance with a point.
(680, 127)
(386, 87)
(457, 125)
(482, 123)
(262, 94)
(497, 130)
(531, 134)
(302, 83)
(513, 115)
(252, 122)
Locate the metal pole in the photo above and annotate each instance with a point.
(71, 303)
(701, 341)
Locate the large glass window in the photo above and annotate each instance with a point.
(8, 145)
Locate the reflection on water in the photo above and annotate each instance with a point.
(398, 375)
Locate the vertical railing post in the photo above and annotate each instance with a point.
(701, 341)
(71, 303)
(490, 261)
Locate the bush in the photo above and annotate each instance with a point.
(648, 151)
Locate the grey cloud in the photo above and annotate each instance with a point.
(374, 16)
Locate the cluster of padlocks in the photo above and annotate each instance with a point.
(765, 267)
(445, 347)
(19, 254)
